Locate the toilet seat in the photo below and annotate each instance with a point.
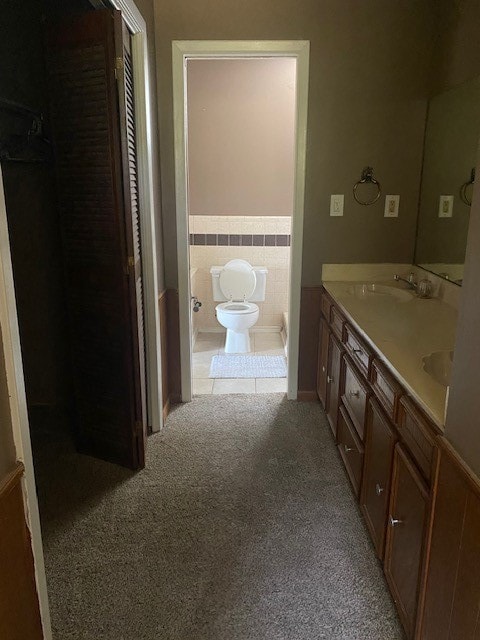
(238, 280)
(237, 308)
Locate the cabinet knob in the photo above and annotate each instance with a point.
(354, 394)
(378, 489)
(323, 369)
(329, 379)
(347, 449)
(394, 521)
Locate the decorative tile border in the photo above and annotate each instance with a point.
(240, 240)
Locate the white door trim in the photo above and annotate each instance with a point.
(18, 409)
(136, 24)
(181, 51)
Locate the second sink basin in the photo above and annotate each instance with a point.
(373, 290)
(438, 365)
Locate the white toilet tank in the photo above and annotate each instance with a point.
(257, 296)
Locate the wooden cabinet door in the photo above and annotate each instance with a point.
(323, 342)
(452, 595)
(405, 536)
(379, 446)
(335, 352)
(92, 118)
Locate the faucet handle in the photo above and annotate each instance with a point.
(411, 277)
(425, 288)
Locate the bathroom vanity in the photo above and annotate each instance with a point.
(383, 363)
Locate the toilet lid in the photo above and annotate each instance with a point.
(238, 280)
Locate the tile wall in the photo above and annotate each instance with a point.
(262, 241)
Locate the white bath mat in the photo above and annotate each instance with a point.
(240, 366)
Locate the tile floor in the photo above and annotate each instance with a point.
(208, 345)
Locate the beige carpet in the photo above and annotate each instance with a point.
(242, 527)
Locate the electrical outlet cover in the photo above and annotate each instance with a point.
(392, 204)
(336, 204)
(445, 207)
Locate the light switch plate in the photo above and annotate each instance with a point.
(445, 207)
(336, 204)
(392, 204)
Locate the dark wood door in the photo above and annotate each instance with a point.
(335, 352)
(131, 202)
(405, 536)
(379, 445)
(323, 341)
(100, 232)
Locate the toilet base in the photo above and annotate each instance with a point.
(237, 341)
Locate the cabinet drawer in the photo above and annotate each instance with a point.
(380, 441)
(358, 350)
(337, 322)
(386, 388)
(350, 448)
(355, 394)
(325, 305)
(418, 435)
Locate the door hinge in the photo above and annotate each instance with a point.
(119, 65)
(130, 266)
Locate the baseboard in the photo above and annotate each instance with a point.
(307, 396)
(166, 409)
(194, 337)
(284, 336)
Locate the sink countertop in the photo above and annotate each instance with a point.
(403, 333)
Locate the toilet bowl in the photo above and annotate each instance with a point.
(237, 283)
(237, 318)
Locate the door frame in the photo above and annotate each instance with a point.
(142, 97)
(182, 50)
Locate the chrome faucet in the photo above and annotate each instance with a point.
(410, 282)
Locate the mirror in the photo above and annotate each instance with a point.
(450, 155)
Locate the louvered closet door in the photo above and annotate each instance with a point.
(100, 237)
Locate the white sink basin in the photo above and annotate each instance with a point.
(372, 291)
(438, 365)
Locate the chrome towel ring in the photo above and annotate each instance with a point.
(463, 189)
(367, 177)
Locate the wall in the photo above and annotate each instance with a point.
(456, 53)
(262, 241)
(241, 136)
(367, 104)
(460, 61)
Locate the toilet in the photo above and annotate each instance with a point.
(239, 286)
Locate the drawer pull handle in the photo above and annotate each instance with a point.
(347, 449)
(378, 489)
(357, 351)
(354, 394)
(394, 521)
(329, 379)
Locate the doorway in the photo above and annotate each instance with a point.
(240, 161)
(210, 224)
